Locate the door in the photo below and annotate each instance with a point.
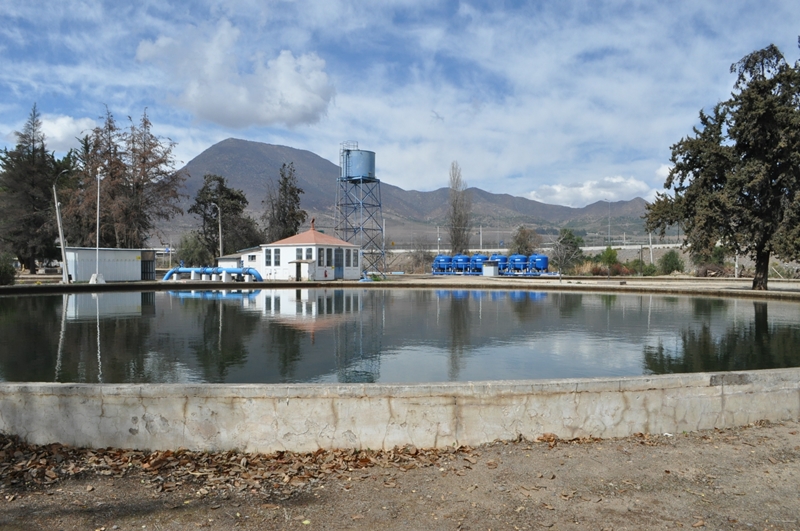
(297, 272)
(338, 263)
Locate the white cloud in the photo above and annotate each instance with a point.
(663, 172)
(61, 132)
(217, 85)
(605, 189)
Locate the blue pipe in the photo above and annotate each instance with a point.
(215, 271)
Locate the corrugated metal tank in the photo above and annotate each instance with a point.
(358, 164)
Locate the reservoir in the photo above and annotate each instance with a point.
(325, 335)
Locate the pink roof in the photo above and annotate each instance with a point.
(312, 237)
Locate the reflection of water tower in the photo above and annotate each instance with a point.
(359, 217)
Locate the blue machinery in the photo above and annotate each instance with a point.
(198, 272)
(515, 265)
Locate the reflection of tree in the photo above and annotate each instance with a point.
(285, 344)
(750, 347)
(703, 307)
(223, 331)
(568, 303)
(28, 346)
(459, 335)
(608, 300)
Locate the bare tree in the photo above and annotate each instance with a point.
(525, 241)
(460, 211)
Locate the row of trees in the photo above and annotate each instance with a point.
(282, 217)
(133, 168)
(133, 171)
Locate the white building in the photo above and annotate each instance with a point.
(115, 265)
(310, 255)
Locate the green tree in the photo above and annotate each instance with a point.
(459, 211)
(566, 251)
(282, 216)
(670, 262)
(608, 257)
(7, 272)
(239, 230)
(525, 241)
(27, 174)
(736, 180)
(193, 252)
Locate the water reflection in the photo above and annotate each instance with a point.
(336, 335)
(758, 344)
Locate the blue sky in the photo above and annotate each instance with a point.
(564, 102)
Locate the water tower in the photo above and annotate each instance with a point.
(359, 216)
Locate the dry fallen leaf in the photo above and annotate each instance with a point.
(699, 523)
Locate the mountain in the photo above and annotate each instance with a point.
(251, 166)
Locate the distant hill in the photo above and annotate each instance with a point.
(250, 166)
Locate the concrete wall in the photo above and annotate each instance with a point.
(266, 418)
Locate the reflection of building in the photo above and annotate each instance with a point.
(88, 306)
(310, 255)
(337, 318)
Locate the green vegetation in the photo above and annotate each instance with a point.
(736, 179)
(670, 262)
(192, 251)
(239, 230)
(7, 271)
(282, 215)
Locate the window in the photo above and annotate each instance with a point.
(309, 253)
(329, 257)
(320, 258)
(355, 258)
(277, 257)
(268, 257)
(347, 257)
(251, 258)
(299, 253)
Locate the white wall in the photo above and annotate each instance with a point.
(116, 265)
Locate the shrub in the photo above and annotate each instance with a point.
(8, 273)
(671, 261)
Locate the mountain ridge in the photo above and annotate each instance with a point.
(253, 166)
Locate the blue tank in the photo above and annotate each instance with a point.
(542, 262)
(461, 262)
(518, 262)
(476, 262)
(502, 261)
(358, 164)
(442, 264)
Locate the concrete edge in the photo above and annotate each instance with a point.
(307, 417)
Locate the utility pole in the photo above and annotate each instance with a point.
(65, 268)
(219, 219)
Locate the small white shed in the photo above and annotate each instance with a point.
(116, 265)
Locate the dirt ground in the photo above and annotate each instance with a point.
(743, 478)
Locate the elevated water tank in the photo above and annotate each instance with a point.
(358, 164)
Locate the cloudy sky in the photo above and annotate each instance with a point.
(565, 102)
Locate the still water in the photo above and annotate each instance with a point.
(371, 335)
